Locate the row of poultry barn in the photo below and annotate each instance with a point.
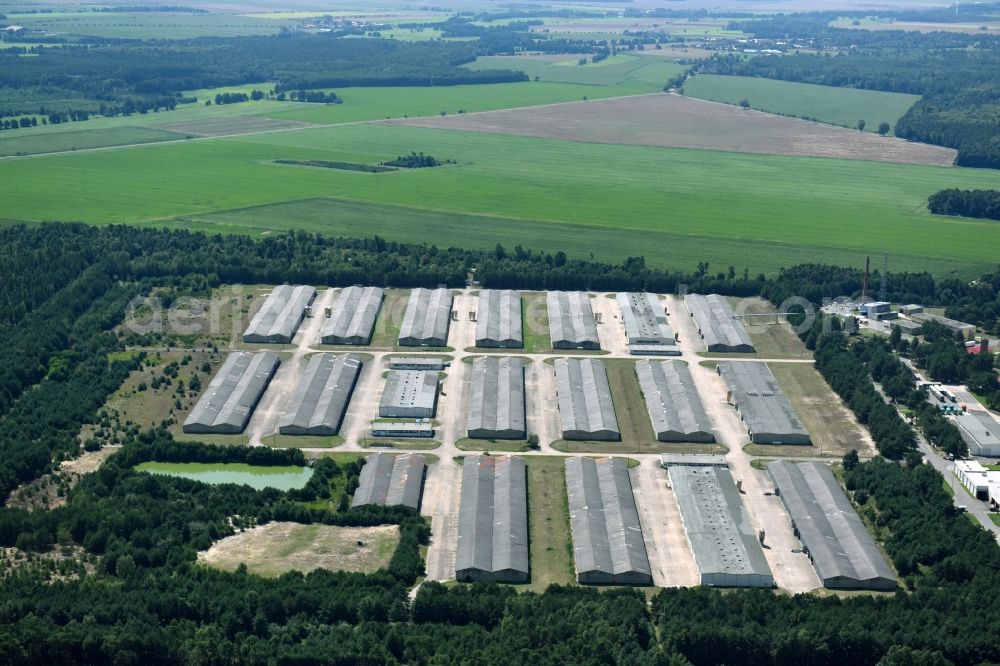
(499, 320)
(608, 544)
(496, 400)
(727, 551)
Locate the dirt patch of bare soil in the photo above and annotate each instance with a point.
(49, 490)
(275, 548)
(673, 121)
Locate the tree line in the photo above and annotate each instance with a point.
(967, 203)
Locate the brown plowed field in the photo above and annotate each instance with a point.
(672, 121)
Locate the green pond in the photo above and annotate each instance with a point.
(256, 476)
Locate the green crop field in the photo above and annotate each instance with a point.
(676, 207)
(147, 25)
(837, 106)
(379, 103)
(80, 137)
(611, 71)
(360, 104)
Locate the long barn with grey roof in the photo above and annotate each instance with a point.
(672, 401)
(607, 539)
(493, 521)
(717, 324)
(227, 404)
(352, 317)
(280, 315)
(498, 320)
(764, 408)
(725, 547)
(496, 399)
(319, 402)
(832, 533)
(981, 432)
(571, 320)
(388, 480)
(427, 318)
(410, 394)
(646, 326)
(586, 410)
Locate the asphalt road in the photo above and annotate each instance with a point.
(962, 498)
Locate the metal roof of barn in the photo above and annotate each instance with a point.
(353, 315)
(585, 403)
(496, 398)
(722, 539)
(607, 536)
(231, 396)
(498, 320)
(672, 400)
(644, 319)
(428, 315)
(571, 320)
(717, 323)
(319, 402)
(280, 315)
(842, 550)
(757, 395)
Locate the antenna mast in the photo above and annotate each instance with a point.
(885, 268)
(864, 285)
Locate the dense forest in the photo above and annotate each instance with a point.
(110, 576)
(114, 73)
(954, 72)
(967, 203)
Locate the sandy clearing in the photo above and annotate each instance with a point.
(274, 548)
(673, 121)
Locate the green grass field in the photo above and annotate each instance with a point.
(548, 523)
(613, 71)
(676, 207)
(79, 137)
(380, 103)
(836, 106)
(148, 25)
